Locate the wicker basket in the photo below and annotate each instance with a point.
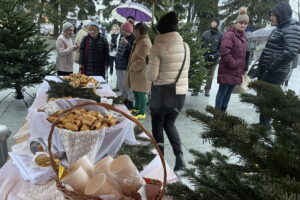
(75, 195)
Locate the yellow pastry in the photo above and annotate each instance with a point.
(89, 120)
(71, 126)
(85, 128)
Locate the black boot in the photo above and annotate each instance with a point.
(128, 104)
(179, 163)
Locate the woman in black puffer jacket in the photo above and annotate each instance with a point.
(282, 46)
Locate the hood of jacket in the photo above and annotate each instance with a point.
(283, 12)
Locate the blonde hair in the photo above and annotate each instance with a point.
(116, 26)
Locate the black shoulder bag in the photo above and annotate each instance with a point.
(163, 97)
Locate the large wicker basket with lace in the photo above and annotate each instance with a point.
(78, 196)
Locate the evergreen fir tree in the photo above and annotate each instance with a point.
(23, 55)
(258, 11)
(269, 160)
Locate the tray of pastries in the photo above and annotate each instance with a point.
(81, 80)
(83, 120)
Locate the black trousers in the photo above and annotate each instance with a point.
(165, 121)
(112, 60)
(61, 73)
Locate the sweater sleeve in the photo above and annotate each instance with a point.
(61, 50)
(226, 50)
(152, 71)
(106, 51)
(82, 50)
(140, 61)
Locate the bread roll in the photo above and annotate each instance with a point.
(71, 126)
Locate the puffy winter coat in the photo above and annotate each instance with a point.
(65, 50)
(123, 53)
(94, 55)
(233, 57)
(211, 42)
(165, 60)
(137, 65)
(281, 48)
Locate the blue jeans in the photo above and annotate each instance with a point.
(223, 96)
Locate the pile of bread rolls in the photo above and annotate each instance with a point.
(83, 120)
(81, 80)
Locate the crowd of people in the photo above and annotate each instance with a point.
(142, 67)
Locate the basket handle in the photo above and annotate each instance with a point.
(109, 107)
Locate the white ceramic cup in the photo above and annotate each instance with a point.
(77, 178)
(124, 172)
(85, 163)
(100, 185)
(102, 165)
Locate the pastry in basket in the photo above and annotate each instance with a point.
(43, 160)
(83, 120)
(53, 99)
(81, 80)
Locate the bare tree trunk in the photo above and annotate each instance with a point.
(189, 13)
(56, 21)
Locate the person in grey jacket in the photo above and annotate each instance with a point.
(281, 49)
(211, 42)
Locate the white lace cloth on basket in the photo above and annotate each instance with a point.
(47, 191)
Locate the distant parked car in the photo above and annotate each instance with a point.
(46, 29)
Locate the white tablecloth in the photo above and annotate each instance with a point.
(11, 182)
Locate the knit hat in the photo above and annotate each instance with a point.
(86, 23)
(128, 27)
(66, 26)
(242, 17)
(167, 23)
(95, 24)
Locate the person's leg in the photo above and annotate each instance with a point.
(229, 89)
(220, 96)
(111, 65)
(172, 133)
(157, 120)
(210, 72)
(126, 92)
(120, 81)
(142, 96)
(136, 100)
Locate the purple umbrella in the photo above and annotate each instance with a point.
(140, 12)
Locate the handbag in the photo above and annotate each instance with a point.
(243, 87)
(163, 97)
(254, 71)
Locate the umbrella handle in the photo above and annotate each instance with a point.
(153, 10)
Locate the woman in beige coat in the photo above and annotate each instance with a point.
(65, 50)
(137, 70)
(165, 60)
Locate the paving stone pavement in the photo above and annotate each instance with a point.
(13, 113)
